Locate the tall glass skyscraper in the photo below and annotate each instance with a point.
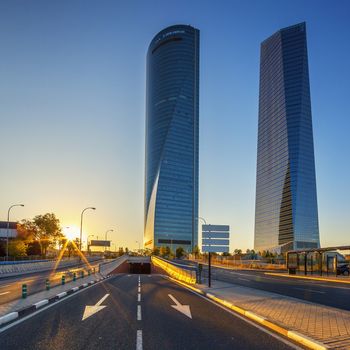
(286, 203)
(171, 169)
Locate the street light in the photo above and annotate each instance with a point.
(106, 235)
(81, 224)
(8, 228)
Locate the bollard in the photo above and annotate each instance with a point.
(63, 279)
(47, 284)
(82, 274)
(89, 272)
(24, 291)
(94, 270)
(74, 277)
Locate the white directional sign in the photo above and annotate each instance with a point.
(91, 310)
(215, 238)
(185, 309)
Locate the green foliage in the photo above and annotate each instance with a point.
(238, 251)
(17, 248)
(180, 252)
(165, 252)
(196, 251)
(156, 251)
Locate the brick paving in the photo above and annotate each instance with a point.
(328, 325)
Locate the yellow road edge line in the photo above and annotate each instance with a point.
(295, 336)
(306, 277)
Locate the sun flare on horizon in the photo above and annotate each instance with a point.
(71, 232)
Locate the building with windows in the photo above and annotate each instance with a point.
(171, 160)
(286, 215)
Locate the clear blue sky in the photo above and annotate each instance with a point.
(72, 103)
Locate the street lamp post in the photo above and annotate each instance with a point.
(106, 235)
(8, 228)
(81, 224)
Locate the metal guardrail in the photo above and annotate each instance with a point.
(181, 274)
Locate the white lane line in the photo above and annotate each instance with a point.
(139, 312)
(139, 289)
(310, 290)
(243, 279)
(139, 340)
(4, 293)
(139, 297)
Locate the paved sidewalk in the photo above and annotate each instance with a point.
(327, 325)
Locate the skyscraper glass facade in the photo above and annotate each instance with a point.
(171, 160)
(286, 203)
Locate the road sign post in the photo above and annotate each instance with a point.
(215, 239)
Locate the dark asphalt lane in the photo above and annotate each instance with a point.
(324, 293)
(11, 288)
(60, 327)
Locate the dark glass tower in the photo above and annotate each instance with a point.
(286, 202)
(171, 169)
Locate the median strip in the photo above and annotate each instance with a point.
(31, 308)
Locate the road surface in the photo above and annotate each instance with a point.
(125, 312)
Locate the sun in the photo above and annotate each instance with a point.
(71, 232)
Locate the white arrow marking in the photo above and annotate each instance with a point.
(91, 310)
(185, 309)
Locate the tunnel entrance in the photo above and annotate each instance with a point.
(140, 268)
(140, 265)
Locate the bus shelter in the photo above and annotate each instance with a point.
(318, 261)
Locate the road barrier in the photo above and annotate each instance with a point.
(74, 277)
(181, 274)
(24, 291)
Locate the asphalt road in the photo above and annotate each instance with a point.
(136, 315)
(11, 287)
(324, 293)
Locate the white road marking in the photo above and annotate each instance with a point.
(139, 340)
(139, 297)
(139, 289)
(185, 309)
(4, 293)
(139, 312)
(243, 279)
(91, 310)
(310, 290)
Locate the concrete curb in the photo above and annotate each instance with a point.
(291, 334)
(29, 309)
(312, 278)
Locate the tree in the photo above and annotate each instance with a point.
(196, 251)
(165, 251)
(17, 248)
(33, 248)
(238, 251)
(121, 251)
(180, 252)
(156, 251)
(48, 231)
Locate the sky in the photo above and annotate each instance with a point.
(72, 108)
